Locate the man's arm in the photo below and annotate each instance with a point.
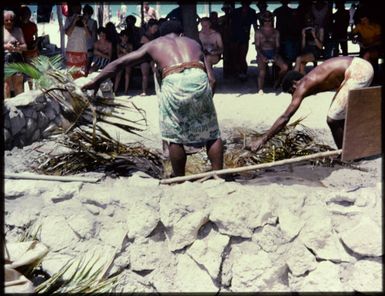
(279, 124)
(115, 66)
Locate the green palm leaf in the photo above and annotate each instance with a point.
(13, 68)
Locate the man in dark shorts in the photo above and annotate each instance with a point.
(342, 74)
(187, 113)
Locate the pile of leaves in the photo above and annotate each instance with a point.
(293, 141)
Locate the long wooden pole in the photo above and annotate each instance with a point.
(50, 178)
(252, 167)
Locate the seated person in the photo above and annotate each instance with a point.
(267, 46)
(312, 44)
(211, 42)
(14, 45)
(102, 51)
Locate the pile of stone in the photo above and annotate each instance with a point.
(29, 117)
(274, 234)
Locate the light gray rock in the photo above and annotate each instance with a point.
(184, 209)
(141, 220)
(56, 233)
(17, 120)
(319, 236)
(96, 195)
(324, 278)
(49, 111)
(24, 99)
(253, 269)
(83, 225)
(130, 282)
(31, 125)
(147, 254)
(365, 238)
(112, 233)
(95, 210)
(269, 238)
(53, 262)
(63, 191)
(240, 213)
(7, 137)
(42, 120)
(18, 188)
(300, 259)
(191, 278)
(289, 223)
(208, 251)
(23, 217)
(366, 276)
(337, 179)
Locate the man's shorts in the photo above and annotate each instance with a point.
(359, 74)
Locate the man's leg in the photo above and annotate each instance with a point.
(215, 153)
(337, 129)
(178, 158)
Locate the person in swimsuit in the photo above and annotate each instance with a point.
(102, 51)
(267, 47)
(211, 42)
(341, 74)
(187, 112)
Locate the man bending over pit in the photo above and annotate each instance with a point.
(187, 113)
(341, 74)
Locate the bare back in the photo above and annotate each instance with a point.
(326, 77)
(171, 50)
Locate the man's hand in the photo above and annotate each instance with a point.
(257, 144)
(91, 86)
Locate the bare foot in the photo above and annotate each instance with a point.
(260, 92)
(143, 94)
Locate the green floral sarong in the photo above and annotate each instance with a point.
(187, 112)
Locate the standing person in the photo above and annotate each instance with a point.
(92, 26)
(124, 47)
(225, 30)
(134, 32)
(352, 11)
(242, 18)
(149, 13)
(339, 30)
(341, 74)
(14, 45)
(75, 27)
(211, 42)
(30, 36)
(312, 44)
(262, 7)
(289, 32)
(150, 34)
(187, 112)
(267, 47)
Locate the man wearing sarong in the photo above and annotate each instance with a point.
(186, 110)
(341, 74)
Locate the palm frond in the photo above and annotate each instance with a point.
(13, 68)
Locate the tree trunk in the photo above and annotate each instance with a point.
(190, 24)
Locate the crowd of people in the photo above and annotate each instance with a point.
(285, 38)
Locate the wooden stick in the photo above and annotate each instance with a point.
(251, 167)
(50, 178)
